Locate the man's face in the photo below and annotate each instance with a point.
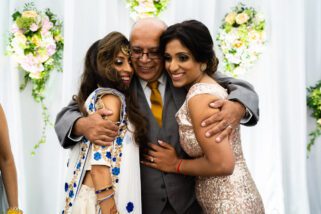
(146, 61)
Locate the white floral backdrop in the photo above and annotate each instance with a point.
(275, 148)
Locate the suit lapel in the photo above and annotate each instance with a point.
(179, 94)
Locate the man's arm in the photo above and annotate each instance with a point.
(70, 125)
(242, 92)
(64, 123)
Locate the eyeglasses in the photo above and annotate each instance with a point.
(138, 53)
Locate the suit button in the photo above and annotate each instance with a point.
(163, 199)
(163, 186)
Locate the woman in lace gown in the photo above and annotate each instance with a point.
(223, 181)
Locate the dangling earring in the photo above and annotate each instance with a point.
(203, 67)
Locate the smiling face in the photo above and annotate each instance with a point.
(144, 42)
(123, 67)
(181, 65)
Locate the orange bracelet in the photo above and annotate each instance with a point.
(179, 165)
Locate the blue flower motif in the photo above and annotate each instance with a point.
(115, 171)
(108, 155)
(120, 154)
(75, 184)
(97, 156)
(114, 159)
(117, 180)
(119, 141)
(70, 204)
(91, 107)
(66, 187)
(130, 207)
(71, 194)
(78, 165)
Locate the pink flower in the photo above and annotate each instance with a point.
(51, 49)
(46, 25)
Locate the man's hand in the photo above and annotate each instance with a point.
(224, 121)
(96, 129)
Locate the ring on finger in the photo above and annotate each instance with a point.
(230, 126)
(152, 160)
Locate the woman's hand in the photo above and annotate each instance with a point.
(162, 157)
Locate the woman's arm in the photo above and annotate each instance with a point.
(100, 173)
(7, 165)
(218, 158)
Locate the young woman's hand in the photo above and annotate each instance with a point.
(162, 157)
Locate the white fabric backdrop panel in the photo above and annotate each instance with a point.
(275, 149)
(313, 74)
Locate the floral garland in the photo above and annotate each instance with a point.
(314, 103)
(36, 44)
(241, 38)
(146, 8)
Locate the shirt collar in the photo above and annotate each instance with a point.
(161, 80)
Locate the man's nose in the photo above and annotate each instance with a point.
(144, 57)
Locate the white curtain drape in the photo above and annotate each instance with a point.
(275, 149)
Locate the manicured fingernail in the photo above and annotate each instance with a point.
(160, 142)
(212, 104)
(203, 124)
(207, 134)
(218, 139)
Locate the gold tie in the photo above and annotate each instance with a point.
(156, 101)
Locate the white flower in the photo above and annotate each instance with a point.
(29, 14)
(319, 121)
(241, 18)
(230, 18)
(34, 27)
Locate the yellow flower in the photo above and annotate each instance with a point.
(241, 18)
(36, 40)
(253, 35)
(237, 43)
(58, 38)
(29, 14)
(230, 18)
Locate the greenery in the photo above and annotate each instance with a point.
(314, 104)
(36, 44)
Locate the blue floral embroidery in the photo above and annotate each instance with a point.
(130, 207)
(108, 155)
(71, 194)
(91, 107)
(115, 171)
(114, 159)
(66, 187)
(78, 165)
(75, 185)
(120, 154)
(119, 140)
(97, 156)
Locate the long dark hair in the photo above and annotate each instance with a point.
(196, 37)
(100, 72)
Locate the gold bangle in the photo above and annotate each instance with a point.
(14, 210)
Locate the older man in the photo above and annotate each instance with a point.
(159, 100)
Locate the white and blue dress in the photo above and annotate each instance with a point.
(122, 158)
